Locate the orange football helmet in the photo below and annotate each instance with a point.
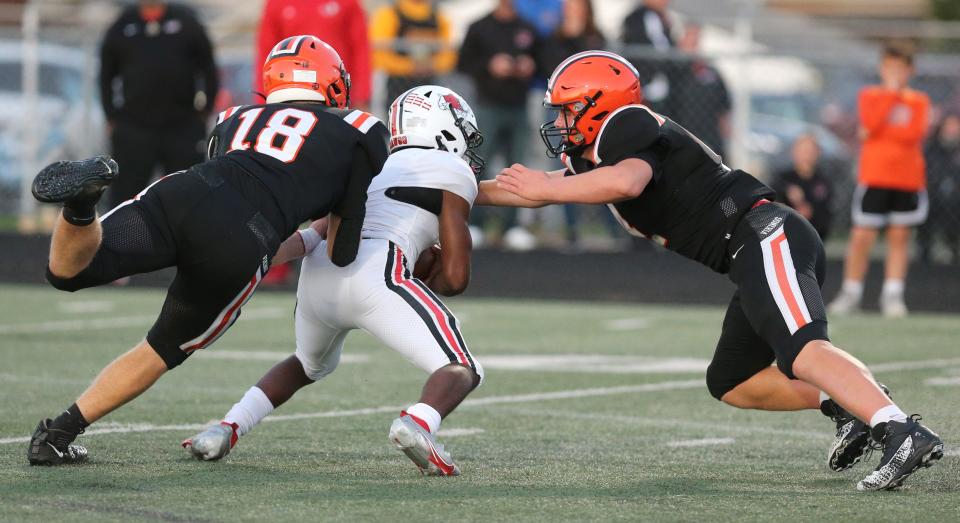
(305, 68)
(585, 89)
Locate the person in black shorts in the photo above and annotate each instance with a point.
(301, 156)
(661, 182)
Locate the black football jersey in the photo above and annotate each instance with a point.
(311, 159)
(693, 201)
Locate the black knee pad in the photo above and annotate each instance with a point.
(815, 330)
(720, 382)
(64, 284)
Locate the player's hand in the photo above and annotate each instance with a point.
(321, 226)
(531, 184)
(501, 65)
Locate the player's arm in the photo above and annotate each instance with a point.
(874, 106)
(492, 194)
(302, 242)
(916, 128)
(450, 275)
(622, 181)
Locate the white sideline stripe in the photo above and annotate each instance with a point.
(748, 429)
(955, 453)
(492, 400)
(914, 365)
(601, 363)
(86, 307)
(627, 324)
(265, 313)
(262, 355)
(943, 382)
(454, 433)
(705, 442)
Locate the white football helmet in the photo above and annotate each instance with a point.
(435, 117)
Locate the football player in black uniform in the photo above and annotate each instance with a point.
(662, 182)
(302, 156)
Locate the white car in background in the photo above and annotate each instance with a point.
(67, 119)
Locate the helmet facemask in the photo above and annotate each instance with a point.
(567, 138)
(472, 137)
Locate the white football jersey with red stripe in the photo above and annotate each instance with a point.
(414, 228)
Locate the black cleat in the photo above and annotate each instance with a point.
(80, 181)
(852, 441)
(52, 446)
(906, 446)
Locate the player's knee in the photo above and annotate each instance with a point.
(315, 370)
(717, 383)
(64, 284)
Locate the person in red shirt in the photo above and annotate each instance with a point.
(340, 23)
(891, 187)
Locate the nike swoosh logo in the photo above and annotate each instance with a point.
(737, 252)
(60, 454)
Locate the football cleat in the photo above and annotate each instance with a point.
(79, 181)
(845, 303)
(52, 446)
(422, 448)
(906, 446)
(852, 441)
(213, 443)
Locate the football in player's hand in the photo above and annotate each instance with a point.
(426, 261)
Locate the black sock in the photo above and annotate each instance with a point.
(70, 420)
(80, 213)
(830, 408)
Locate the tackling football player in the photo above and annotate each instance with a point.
(302, 155)
(423, 195)
(661, 182)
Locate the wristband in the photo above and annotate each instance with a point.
(310, 238)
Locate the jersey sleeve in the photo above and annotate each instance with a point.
(629, 133)
(446, 172)
(217, 139)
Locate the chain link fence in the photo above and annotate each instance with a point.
(750, 103)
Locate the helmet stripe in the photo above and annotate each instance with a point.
(585, 54)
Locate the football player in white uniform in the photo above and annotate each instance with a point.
(423, 195)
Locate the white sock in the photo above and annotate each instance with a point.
(888, 413)
(428, 414)
(853, 288)
(249, 411)
(823, 396)
(893, 288)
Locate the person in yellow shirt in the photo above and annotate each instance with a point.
(411, 44)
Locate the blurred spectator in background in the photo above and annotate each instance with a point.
(545, 15)
(943, 180)
(340, 23)
(411, 44)
(650, 25)
(498, 53)
(158, 81)
(699, 97)
(804, 187)
(891, 191)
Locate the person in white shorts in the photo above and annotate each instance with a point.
(423, 195)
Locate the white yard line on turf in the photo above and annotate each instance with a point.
(705, 442)
(626, 324)
(943, 382)
(650, 421)
(491, 400)
(263, 355)
(266, 313)
(86, 307)
(455, 432)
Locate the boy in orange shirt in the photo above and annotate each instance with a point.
(891, 188)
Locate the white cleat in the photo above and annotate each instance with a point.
(893, 307)
(844, 304)
(213, 443)
(422, 448)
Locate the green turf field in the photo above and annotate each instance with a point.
(590, 412)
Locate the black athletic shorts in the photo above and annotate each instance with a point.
(196, 221)
(876, 207)
(777, 262)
